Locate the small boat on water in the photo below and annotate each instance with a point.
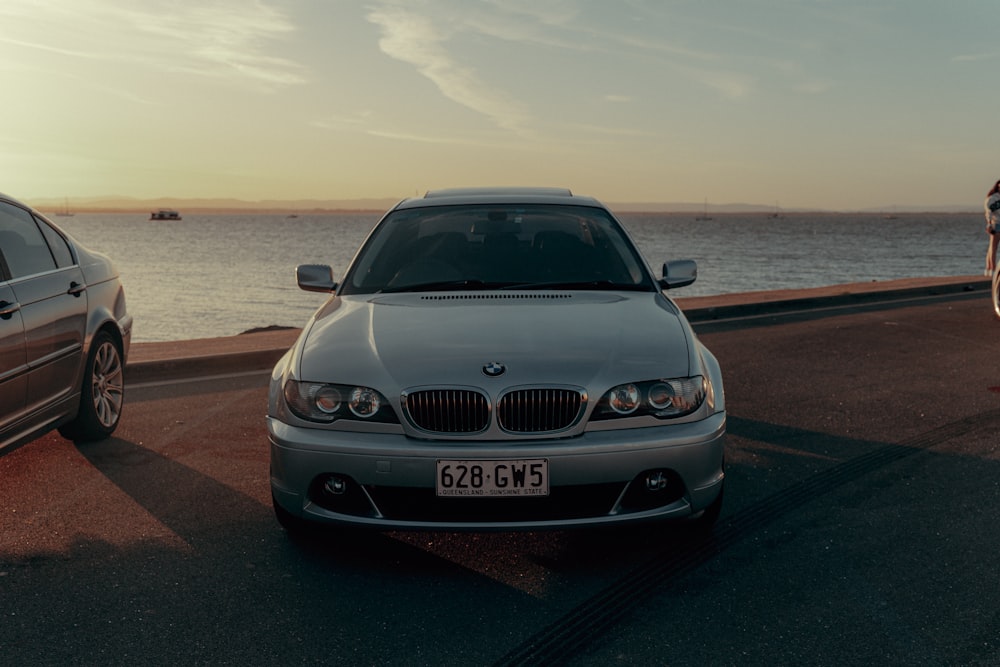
(64, 211)
(165, 214)
(705, 215)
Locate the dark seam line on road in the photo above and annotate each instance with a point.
(581, 627)
(705, 324)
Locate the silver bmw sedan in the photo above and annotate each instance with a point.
(496, 359)
(64, 332)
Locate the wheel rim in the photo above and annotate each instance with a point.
(108, 385)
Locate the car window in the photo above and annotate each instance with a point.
(488, 247)
(24, 248)
(57, 244)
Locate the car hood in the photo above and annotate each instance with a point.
(574, 338)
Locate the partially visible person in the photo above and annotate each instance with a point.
(992, 207)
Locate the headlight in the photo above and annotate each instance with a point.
(365, 402)
(323, 402)
(658, 398)
(624, 399)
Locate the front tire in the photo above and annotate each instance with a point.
(296, 527)
(704, 522)
(102, 394)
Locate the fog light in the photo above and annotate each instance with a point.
(335, 486)
(656, 481)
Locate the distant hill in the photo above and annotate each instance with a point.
(685, 207)
(277, 206)
(133, 205)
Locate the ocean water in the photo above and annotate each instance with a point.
(220, 275)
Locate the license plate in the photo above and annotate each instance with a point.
(518, 477)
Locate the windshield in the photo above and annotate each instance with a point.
(497, 247)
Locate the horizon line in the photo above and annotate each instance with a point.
(123, 204)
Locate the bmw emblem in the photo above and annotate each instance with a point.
(494, 369)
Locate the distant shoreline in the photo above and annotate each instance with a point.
(198, 210)
(61, 205)
(59, 211)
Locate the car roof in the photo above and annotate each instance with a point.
(16, 202)
(498, 195)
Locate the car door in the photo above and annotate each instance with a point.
(13, 364)
(50, 288)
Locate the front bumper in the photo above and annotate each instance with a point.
(595, 479)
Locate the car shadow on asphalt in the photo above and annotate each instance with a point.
(219, 523)
(211, 516)
(214, 519)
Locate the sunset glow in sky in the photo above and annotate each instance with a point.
(838, 104)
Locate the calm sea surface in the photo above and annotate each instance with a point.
(219, 275)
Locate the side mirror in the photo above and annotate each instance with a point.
(315, 278)
(679, 273)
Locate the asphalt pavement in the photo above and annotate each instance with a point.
(863, 482)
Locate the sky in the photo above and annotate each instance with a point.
(837, 104)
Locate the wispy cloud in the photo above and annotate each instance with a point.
(225, 39)
(421, 34)
(561, 24)
(727, 83)
(975, 57)
(419, 40)
(48, 48)
(343, 121)
(417, 138)
(599, 130)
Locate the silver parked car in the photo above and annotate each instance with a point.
(496, 359)
(64, 332)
